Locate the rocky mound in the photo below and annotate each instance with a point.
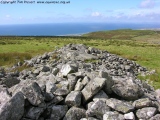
(77, 82)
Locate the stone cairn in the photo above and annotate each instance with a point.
(77, 82)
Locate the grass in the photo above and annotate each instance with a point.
(142, 46)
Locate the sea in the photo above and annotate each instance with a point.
(69, 29)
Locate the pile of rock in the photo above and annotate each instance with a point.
(63, 85)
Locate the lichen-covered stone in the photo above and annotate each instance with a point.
(146, 113)
(92, 88)
(119, 106)
(73, 98)
(75, 113)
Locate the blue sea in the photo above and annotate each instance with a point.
(64, 29)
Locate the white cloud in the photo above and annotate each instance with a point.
(7, 16)
(96, 14)
(147, 4)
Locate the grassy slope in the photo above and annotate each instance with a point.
(140, 46)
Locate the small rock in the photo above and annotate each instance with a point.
(113, 116)
(61, 91)
(67, 68)
(129, 116)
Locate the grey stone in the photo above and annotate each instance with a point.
(61, 91)
(79, 86)
(55, 71)
(55, 100)
(92, 88)
(113, 116)
(66, 69)
(50, 86)
(85, 80)
(58, 111)
(45, 69)
(72, 79)
(97, 109)
(75, 113)
(73, 98)
(129, 116)
(156, 117)
(34, 94)
(34, 113)
(120, 106)
(11, 108)
(109, 82)
(48, 96)
(36, 71)
(127, 90)
(140, 103)
(89, 118)
(101, 95)
(10, 81)
(146, 113)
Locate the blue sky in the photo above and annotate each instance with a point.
(133, 11)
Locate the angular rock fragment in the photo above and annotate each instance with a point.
(140, 103)
(67, 68)
(11, 108)
(75, 113)
(146, 113)
(58, 111)
(127, 91)
(34, 94)
(156, 117)
(34, 113)
(113, 116)
(101, 95)
(92, 88)
(73, 98)
(61, 91)
(129, 116)
(72, 79)
(97, 109)
(119, 106)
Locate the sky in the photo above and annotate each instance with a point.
(77, 11)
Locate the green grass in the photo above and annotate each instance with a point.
(142, 46)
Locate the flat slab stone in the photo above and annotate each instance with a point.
(119, 106)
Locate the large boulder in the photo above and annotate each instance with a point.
(127, 90)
